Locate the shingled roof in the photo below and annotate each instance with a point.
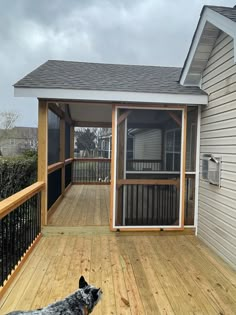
(228, 12)
(56, 74)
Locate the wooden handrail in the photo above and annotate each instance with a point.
(174, 182)
(68, 161)
(58, 165)
(92, 160)
(54, 167)
(14, 201)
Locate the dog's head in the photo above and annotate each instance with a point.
(90, 294)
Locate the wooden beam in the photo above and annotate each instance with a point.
(92, 124)
(56, 110)
(174, 182)
(60, 113)
(112, 168)
(176, 118)
(184, 126)
(43, 155)
(62, 153)
(123, 116)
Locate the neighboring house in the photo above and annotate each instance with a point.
(17, 140)
(183, 118)
(104, 146)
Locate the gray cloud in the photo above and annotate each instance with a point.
(156, 32)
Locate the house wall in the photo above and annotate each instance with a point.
(147, 145)
(16, 140)
(217, 206)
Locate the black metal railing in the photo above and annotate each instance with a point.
(147, 205)
(68, 174)
(18, 230)
(144, 165)
(54, 187)
(91, 170)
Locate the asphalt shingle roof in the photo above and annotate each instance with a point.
(56, 74)
(228, 12)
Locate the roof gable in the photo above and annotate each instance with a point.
(212, 21)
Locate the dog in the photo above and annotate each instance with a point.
(81, 302)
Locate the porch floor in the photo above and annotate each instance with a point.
(83, 205)
(139, 274)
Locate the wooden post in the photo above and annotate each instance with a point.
(184, 126)
(43, 156)
(112, 167)
(62, 154)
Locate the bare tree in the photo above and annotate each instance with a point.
(7, 122)
(8, 119)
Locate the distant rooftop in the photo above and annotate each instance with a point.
(56, 74)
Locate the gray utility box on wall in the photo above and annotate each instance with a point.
(211, 169)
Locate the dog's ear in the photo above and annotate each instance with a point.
(82, 283)
(95, 294)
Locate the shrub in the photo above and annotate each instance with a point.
(16, 174)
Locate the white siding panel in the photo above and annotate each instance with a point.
(229, 132)
(147, 145)
(219, 141)
(222, 84)
(231, 123)
(217, 205)
(217, 61)
(220, 44)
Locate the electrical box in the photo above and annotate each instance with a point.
(214, 170)
(211, 169)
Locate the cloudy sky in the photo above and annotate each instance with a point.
(147, 32)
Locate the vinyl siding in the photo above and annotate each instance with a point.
(217, 206)
(147, 145)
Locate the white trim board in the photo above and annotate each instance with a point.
(221, 22)
(112, 96)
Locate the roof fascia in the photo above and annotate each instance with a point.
(111, 96)
(223, 23)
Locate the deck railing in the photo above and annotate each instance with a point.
(20, 226)
(144, 165)
(148, 203)
(91, 171)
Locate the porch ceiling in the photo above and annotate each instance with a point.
(90, 113)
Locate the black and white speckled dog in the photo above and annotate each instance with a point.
(81, 302)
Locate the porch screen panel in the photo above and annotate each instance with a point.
(152, 196)
(191, 139)
(67, 140)
(53, 138)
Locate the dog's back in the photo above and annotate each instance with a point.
(81, 302)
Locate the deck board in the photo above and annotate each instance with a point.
(83, 205)
(139, 274)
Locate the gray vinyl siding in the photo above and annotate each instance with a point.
(147, 145)
(217, 206)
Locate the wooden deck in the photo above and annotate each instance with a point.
(139, 274)
(83, 205)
